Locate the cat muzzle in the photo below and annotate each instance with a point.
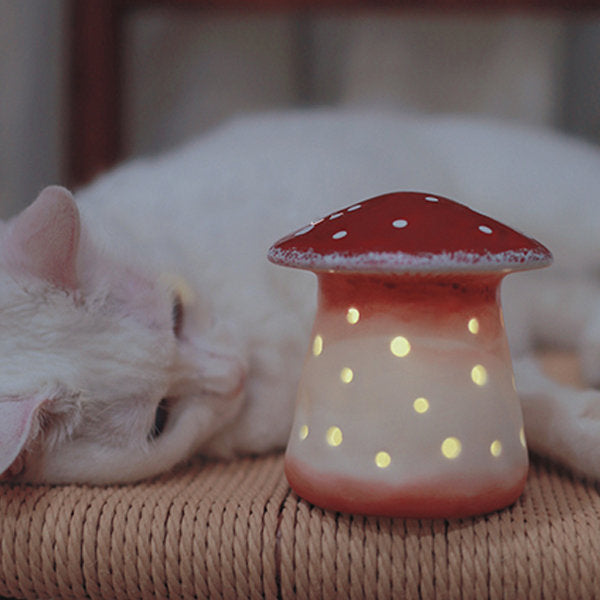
(203, 371)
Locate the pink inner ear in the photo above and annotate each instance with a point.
(43, 239)
(16, 417)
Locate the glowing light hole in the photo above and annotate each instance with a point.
(496, 448)
(479, 375)
(353, 315)
(317, 345)
(334, 436)
(451, 447)
(522, 437)
(421, 405)
(346, 375)
(400, 346)
(473, 326)
(383, 460)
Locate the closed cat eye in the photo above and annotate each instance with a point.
(160, 419)
(177, 315)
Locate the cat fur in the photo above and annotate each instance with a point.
(89, 350)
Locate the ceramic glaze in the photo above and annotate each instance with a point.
(407, 403)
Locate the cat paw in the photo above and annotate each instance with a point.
(561, 422)
(589, 353)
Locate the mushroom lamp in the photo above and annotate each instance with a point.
(407, 404)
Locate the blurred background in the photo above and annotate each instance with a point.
(184, 70)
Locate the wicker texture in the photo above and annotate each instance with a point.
(235, 530)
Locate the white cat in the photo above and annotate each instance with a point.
(144, 323)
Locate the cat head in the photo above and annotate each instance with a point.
(108, 372)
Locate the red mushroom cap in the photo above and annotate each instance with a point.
(405, 232)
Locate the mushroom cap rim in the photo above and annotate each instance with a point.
(403, 263)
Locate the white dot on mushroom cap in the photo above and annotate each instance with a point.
(400, 223)
(485, 229)
(355, 207)
(339, 235)
(431, 199)
(305, 230)
(335, 216)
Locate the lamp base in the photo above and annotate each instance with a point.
(451, 498)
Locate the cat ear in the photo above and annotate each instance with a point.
(42, 241)
(16, 419)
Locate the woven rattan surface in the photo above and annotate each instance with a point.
(235, 530)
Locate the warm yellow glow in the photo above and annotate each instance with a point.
(522, 437)
(473, 326)
(400, 346)
(479, 375)
(317, 347)
(352, 316)
(496, 448)
(383, 460)
(421, 405)
(334, 436)
(451, 447)
(346, 375)
(303, 433)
